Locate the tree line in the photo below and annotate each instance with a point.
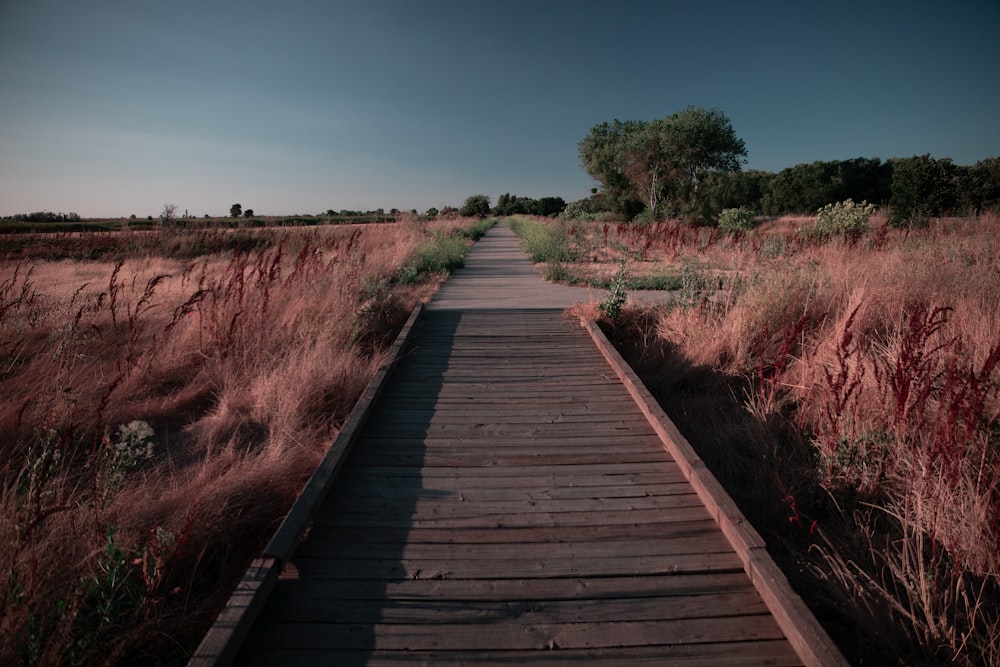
(508, 204)
(44, 216)
(688, 165)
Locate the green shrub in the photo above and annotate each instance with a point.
(547, 243)
(479, 228)
(442, 254)
(843, 218)
(617, 293)
(735, 220)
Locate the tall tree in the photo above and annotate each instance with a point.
(701, 142)
(662, 160)
(602, 155)
(922, 187)
(476, 206)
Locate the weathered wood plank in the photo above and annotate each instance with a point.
(764, 653)
(519, 520)
(522, 535)
(524, 635)
(605, 610)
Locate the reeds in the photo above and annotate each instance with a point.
(861, 379)
(159, 414)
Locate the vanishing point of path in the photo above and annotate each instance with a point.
(507, 501)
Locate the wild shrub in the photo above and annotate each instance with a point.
(735, 220)
(545, 242)
(846, 219)
(612, 304)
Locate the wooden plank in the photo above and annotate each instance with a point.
(763, 653)
(700, 543)
(490, 478)
(522, 535)
(508, 520)
(501, 459)
(565, 472)
(419, 508)
(523, 635)
(473, 591)
(439, 612)
(364, 492)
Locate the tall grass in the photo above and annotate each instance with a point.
(159, 414)
(847, 391)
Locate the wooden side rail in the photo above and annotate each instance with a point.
(803, 631)
(219, 646)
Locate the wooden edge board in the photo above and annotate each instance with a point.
(221, 643)
(810, 641)
(290, 532)
(223, 640)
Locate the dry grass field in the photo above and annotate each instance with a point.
(847, 392)
(164, 395)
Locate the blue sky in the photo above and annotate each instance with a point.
(114, 107)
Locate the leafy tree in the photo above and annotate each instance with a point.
(602, 155)
(701, 142)
(663, 160)
(922, 188)
(431, 212)
(235, 211)
(477, 206)
(980, 186)
(248, 213)
(741, 189)
(549, 206)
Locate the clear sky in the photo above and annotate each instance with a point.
(114, 107)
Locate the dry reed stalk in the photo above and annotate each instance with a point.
(160, 414)
(872, 371)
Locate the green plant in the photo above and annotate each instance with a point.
(544, 242)
(617, 294)
(846, 218)
(439, 255)
(735, 220)
(132, 449)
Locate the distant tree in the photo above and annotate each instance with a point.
(431, 212)
(477, 206)
(235, 211)
(248, 213)
(980, 186)
(549, 206)
(663, 160)
(169, 213)
(922, 188)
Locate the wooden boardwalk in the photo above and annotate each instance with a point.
(509, 497)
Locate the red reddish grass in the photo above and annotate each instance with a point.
(159, 414)
(848, 394)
